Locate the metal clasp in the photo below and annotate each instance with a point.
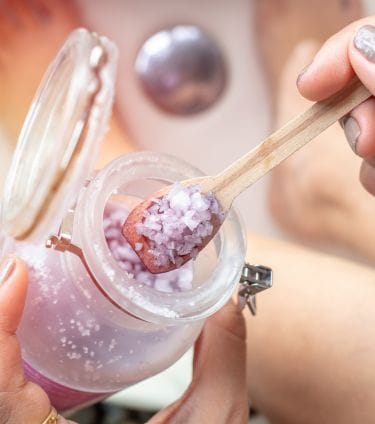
(63, 240)
(63, 243)
(254, 279)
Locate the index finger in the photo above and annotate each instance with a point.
(331, 70)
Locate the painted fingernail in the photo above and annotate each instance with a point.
(7, 266)
(364, 42)
(352, 131)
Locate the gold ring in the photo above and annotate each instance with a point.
(52, 418)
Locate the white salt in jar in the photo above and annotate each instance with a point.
(95, 321)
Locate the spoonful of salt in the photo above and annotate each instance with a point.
(173, 226)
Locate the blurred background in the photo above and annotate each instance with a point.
(207, 98)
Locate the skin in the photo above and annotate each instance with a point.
(24, 402)
(317, 366)
(24, 25)
(306, 194)
(340, 58)
(20, 400)
(302, 22)
(321, 348)
(220, 356)
(311, 347)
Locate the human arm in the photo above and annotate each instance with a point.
(311, 345)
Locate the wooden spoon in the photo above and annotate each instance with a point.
(227, 185)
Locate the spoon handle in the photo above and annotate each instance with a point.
(285, 141)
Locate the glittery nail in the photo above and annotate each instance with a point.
(364, 42)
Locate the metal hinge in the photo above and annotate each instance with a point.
(254, 279)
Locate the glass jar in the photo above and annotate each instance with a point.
(90, 326)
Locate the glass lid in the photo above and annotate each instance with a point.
(59, 142)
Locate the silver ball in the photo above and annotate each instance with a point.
(181, 69)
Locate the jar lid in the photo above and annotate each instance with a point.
(60, 139)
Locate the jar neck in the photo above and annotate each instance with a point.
(217, 270)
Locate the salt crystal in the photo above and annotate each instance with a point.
(143, 277)
(163, 285)
(180, 200)
(179, 224)
(125, 252)
(129, 261)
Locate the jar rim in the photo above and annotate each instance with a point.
(140, 300)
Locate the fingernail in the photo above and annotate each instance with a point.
(7, 265)
(352, 131)
(302, 73)
(364, 42)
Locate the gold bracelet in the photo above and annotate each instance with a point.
(52, 418)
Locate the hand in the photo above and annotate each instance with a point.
(20, 400)
(218, 392)
(348, 53)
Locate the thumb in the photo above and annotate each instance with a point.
(13, 287)
(219, 375)
(220, 353)
(289, 100)
(20, 401)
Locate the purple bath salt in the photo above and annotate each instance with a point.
(178, 223)
(174, 281)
